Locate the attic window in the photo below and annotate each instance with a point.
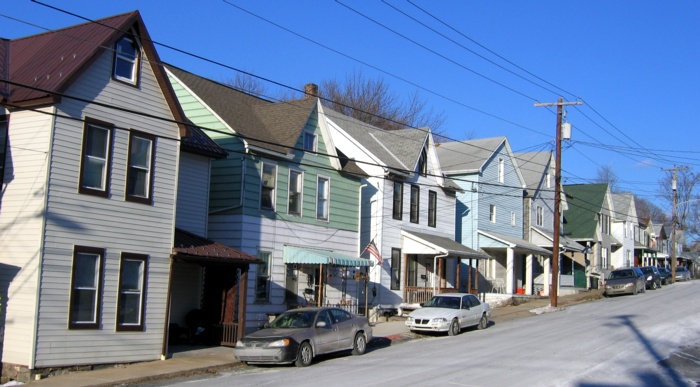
(423, 163)
(310, 144)
(126, 60)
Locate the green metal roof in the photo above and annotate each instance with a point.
(321, 257)
(585, 202)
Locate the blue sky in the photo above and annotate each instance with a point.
(634, 64)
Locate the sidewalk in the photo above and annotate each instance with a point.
(213, 360)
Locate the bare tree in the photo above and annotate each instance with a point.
(248, 84)
(373, 102)
(607, 175)
(687, 200)
(648, 210)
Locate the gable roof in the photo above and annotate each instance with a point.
(533, 166)
(467, 156)
(585, 202)
(397, 149)
(623, 204)
(41, 66)
(260, 123)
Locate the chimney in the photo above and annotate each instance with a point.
(310, 90)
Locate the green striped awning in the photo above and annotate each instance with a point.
(321, 257)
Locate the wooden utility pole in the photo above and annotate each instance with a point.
(553, 292)
(674, 183)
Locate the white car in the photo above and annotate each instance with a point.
(450, 312)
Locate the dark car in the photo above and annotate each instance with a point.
(652, 277)
(297, 335)
(625, 281)
(665, 275)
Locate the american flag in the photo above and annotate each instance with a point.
(374, 251)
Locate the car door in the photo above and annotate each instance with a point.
(326, 336)
(346, 328)
(467, 312)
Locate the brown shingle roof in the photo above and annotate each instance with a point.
(189, 245)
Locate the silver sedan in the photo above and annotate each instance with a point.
(450, 312)
(297, 335)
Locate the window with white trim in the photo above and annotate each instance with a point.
(296, 182)
(397, 210)
(432, 209)
(501, 171)
(415, 203)
(268, 185)
(492, 213)
(132, 292)
(310, 142)
(126, 60)
(512, 218)
(322, 196)
(604, 260)
(540, 216)
(86, 288)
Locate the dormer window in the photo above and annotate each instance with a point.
(126, 57)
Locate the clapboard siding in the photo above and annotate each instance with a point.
(21, 222)
(111, 223)
(193, 193)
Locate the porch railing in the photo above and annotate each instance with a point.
(227, 333)
(418, 295)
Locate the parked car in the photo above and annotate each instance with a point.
(652, 277)
(298, 335)
(665, 275)
(625, 281)
(450, 312)
(682, 273)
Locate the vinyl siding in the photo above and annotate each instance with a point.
(21, 222)
(193, 193)
(110, 223)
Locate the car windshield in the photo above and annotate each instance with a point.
(681, 268)
(443, 302)
(294, 319)
(621, 274)
(647, 270)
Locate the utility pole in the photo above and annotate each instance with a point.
(553, 300)
(673, 221)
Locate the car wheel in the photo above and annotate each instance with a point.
(454, 328)
(359, 346)
(483, 323)
(653, 285)
(305, 355)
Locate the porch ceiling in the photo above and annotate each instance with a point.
(321, 257)
(515, 243)
(421, 243)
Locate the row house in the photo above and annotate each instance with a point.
(94, 144)
(283, 194)
(623, 221)
(408, 212)
(490, 214)
(588, 221)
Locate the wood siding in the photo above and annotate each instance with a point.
(193, 193)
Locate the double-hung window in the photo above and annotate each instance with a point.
(262, 287)
(96, 158)
(395, 269)
(397, 212)
(415, 203)
(126, 60)
(139, 176)
(86, 288)
(501, 171)
(432, 208)
(310, 142)
(132, 292)
(322, 198)
(540, 216)
(492, 213)
(296, 181)
(267, 192)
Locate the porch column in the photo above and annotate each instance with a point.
(547, 274)
(459, 267)
(528, 274)
(510, 278)
(403, 276)
(242, 293)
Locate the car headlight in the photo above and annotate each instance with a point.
(409, 319)
(279, 343)
(649, 278)
(629, 285)
(440, 319)
(608, 286)
(240, 344)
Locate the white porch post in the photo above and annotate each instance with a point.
(547, 274)
(528, 274)
(510, 258)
